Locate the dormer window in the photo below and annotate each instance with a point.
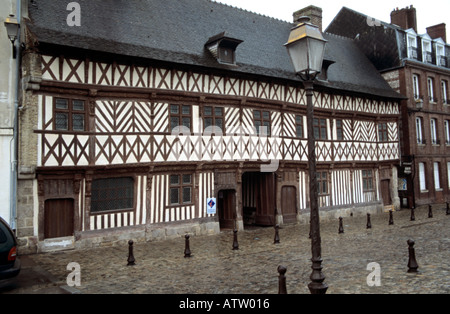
(427, 55)
(439, 45)
(411, 39)
(223, 48)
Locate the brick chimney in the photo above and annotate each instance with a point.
(405, 18)
(315, 13)
(437, 31)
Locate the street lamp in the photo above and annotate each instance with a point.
(12, 29)
(306, 47)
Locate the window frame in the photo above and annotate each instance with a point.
(70, 112)
(422, 177)
(180, 188)
(214, 117)
(431, 89)
(416, 86)
(261, 120)
(419, 130)
(436, 176)
(368, 180)
(339, 130)
(434, 131)
(383, 132)
(447, 131)
(102, 187)
(299, 126)
(180, 116)
(320, 128)
(322, 183)
(444, 91)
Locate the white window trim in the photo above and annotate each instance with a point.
(447, 132)
(433, 128)
(419, 129)
(416, 86)
(430, 84)
(444, 86)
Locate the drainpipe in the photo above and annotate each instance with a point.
(14, 144)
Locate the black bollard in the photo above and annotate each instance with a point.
(369, 223)
(276, 239)
(341, 226)
(187, 249)
(235, 240)
(413, 218)
(430, 211)
(282, 280)
(447, 212)
(412, 263)
(391, 218)
(131, 260)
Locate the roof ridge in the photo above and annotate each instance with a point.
(248, 11)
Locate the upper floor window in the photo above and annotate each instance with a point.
(320, 129)
(180, 118)
(213, 118)
(339, 130)
(431, 96)
(441, 60)
(444, 91)
(427, 55)
(412, 44)
(299, 126)
(433, 126)
(416, 86)
(419, 130)
(262, 122)
(382, 132)
(70, 114)
(447, 131)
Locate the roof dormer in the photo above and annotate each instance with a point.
(411, 41)
(427, 49)
(439, 46)
(223, 48)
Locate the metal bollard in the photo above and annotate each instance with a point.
(391, 218)
(276, 239)
(412, 263)
(235, 240)
(131, 261)
(187, 248)
(413, 218)
(430, 211)
(369, 223)
(282, 280)
(341, 226)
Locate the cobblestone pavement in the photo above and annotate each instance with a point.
(215, 268)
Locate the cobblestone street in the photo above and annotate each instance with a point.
(215, 268)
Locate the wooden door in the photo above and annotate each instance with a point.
(386, 192)
(289, 204)
(58, 218)
(227, 208)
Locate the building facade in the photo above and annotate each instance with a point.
(8, 92)
(131, 133)
(417, 66)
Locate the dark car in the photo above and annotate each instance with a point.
(9, 262)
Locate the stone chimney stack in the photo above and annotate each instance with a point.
(405, 18)
(437, 31)
(315, 13)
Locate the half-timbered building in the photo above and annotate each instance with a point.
(137, 113)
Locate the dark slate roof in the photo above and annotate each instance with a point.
(177, 31)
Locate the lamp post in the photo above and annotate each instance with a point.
(12, 29)
(306, 47)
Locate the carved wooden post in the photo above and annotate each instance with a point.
(391, 218)
(413, 218)
(369, 223)
(430, 211)
(131, 260)
(276, 240)
(282, 280)
(341, 226)
(412, 263)
(187, 249)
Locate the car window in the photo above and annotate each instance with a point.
(3, 237)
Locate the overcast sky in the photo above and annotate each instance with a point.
(429, 12)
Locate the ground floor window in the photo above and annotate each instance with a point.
(422, 178)
(181, 187)
(112, 194)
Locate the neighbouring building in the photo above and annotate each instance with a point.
(417, 66)
(138, 113)
(8, 87)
